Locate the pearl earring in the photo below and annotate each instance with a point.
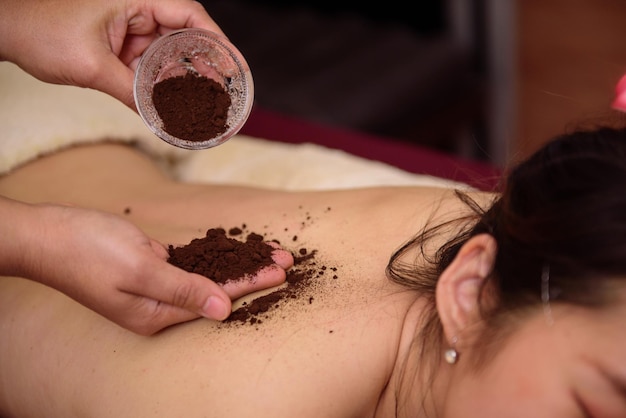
(451, 355)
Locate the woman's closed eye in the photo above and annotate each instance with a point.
(602, 395)
(582, 406)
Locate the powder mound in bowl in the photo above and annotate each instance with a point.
(192, 107)
(220, 258)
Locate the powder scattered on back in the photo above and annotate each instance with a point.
(300, 278)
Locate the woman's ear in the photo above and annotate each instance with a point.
(460, 286)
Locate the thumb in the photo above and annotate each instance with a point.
(116, 79)
(189, 291)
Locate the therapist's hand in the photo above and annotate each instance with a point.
(109, 265)
(91, 43)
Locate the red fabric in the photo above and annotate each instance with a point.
(410, 157)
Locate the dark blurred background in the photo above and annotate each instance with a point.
(483, 79)
(414, 71)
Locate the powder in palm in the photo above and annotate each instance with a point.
(221, 258)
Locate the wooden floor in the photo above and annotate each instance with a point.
(571, 55)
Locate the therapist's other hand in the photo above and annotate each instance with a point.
(109, 265)
(91, 43)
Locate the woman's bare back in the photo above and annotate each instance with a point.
(327, 350)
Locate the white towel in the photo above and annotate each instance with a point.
(39, 118)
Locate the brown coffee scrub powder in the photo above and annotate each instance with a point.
(221, 258)
(192, 107)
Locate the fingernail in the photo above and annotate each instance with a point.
(215, 308)
(283, 258)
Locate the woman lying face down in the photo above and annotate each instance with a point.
(420, 302)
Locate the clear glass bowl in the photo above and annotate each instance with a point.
(202, 53)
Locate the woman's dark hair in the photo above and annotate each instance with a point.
(563, 209)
